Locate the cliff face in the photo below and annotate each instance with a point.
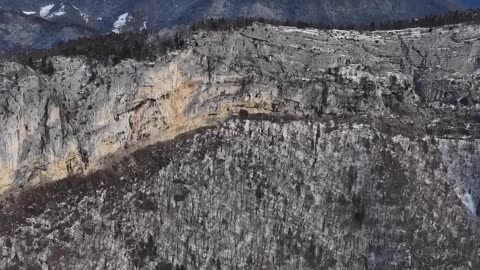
(267, 146)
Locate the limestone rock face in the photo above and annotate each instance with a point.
(269, 147)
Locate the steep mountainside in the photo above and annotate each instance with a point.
(122, 15)
(266, 147)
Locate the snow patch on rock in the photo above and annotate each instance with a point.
(44, 11)
(83, 15)
(120, 23)
(29, 12)
(144, 27)
(288, 29)
(468, 201)
(59, 12)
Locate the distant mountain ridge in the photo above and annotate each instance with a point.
(19, 31)
(471, 3)
(100, 17)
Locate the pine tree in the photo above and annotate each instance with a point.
(47, 68)
(30, 62)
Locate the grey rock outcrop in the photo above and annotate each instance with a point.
(301, 149)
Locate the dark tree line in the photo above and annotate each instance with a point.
(113, 48)
(44, 66)
(454, 17)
